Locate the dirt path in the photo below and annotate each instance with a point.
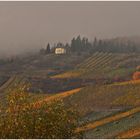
(59, 96)
(63, 94)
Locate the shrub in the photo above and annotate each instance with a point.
(23, 119)
(136, 76)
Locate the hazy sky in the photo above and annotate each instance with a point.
(27, 25)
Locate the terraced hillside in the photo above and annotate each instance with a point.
(48, 65)
(108, 110)
(103, 117)
(104, 65)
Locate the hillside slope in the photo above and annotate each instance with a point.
(104, 65)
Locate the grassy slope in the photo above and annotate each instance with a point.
(132, 96)
(103, 97)
(112, 129)
(42, 64)
(109, 127)
(92, 98)
(106, 120)
(115, 96)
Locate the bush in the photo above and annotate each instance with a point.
(22, 119)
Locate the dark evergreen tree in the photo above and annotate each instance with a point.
(67, 45)
(48, 49)
(95, 42)
(78, 44)
(73, 44)
(83, 43)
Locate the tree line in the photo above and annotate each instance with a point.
(82, 44)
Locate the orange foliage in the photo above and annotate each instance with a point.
(136, 76)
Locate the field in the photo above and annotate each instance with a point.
(98, 85)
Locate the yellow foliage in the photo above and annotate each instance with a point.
(70, 74)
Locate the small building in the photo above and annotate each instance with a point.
(60, 50)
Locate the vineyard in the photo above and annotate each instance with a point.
(99, 86)
(104, 124)
(104, 65)
(121, 105)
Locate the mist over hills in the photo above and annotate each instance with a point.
(34, 48)
(16, 50)
(135, 39)
(28, 26)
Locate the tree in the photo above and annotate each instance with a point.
(48, 49)
(60, 45)
(99, 47)
(95, 42)
(25, 118)
(67, 45)
(83, 43)
(79, 45)
(73, 44)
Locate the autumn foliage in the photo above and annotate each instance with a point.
(136, 76)
(20, 119)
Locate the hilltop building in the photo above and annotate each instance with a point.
(60, 50)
